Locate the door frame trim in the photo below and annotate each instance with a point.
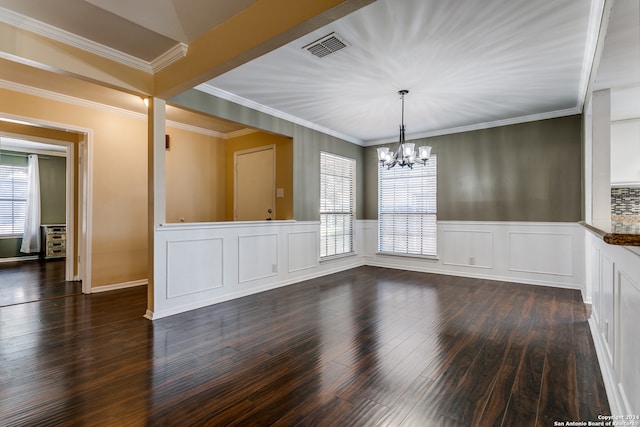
(80, 256)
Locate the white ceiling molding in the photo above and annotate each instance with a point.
(54, 96)
(174, 54)
(211, 90)
(593, 32)
(4, 84)
(239, 133)
(17, 20)
(195, 129)
(207, 88)
(486, 125)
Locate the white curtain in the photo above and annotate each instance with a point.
(31, 236)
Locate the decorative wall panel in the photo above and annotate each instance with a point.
(303, 250)
(628, 343)
(468, 248)
(541, 253)
(193, 266)
(257, 257)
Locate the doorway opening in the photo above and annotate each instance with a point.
(65, 181)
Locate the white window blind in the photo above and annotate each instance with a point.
(337, 204)
(407, 206)
(13, 199)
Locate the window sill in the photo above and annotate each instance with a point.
(393, 254)
(335, 257)
(10, 236)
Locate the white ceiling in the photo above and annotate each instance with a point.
(468, 64)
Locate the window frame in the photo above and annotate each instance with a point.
(405, 215)
(344, 219)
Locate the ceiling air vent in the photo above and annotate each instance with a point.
(326, 45)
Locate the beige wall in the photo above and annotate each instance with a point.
(195, 177)
(284, 169)
(119, 232)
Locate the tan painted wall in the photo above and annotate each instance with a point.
(119, 220)
(195, 181)
(284, 169)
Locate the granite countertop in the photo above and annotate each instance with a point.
(622, 230)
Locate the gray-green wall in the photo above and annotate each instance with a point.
(52, 196)
(524, 172)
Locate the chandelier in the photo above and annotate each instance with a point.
(405, 155)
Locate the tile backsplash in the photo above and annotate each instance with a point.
(625, 201)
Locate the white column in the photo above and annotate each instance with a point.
(601, 157)
(156, 188)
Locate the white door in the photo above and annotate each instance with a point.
(255, 184)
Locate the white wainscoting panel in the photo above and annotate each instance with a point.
(607, 270)
(628, 340)
(467, 248)
(616, 327)
(303, 250)
(549, 254)
(596, 292)
(199, 264)
(193, 266)
(545, 253)
(258, 257)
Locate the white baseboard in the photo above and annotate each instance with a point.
(357, 262)
(117, 286)
(474, 275)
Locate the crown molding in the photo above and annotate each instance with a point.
(211, 90)
(480, 126)
(195, 129)
(223, 94)
(596, 13)
(239, 133)
(174, 54)
(54, 96)
(23, 22)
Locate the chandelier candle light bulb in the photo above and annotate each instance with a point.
(405, 155)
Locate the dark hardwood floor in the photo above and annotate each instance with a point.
(34, 280)
(368, 346)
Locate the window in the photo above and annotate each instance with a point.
(337, 206)
(13, 199)
(407, 209)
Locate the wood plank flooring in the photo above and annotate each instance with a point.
(34, 280)
(364, 347)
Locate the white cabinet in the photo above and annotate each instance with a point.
(625, 152)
